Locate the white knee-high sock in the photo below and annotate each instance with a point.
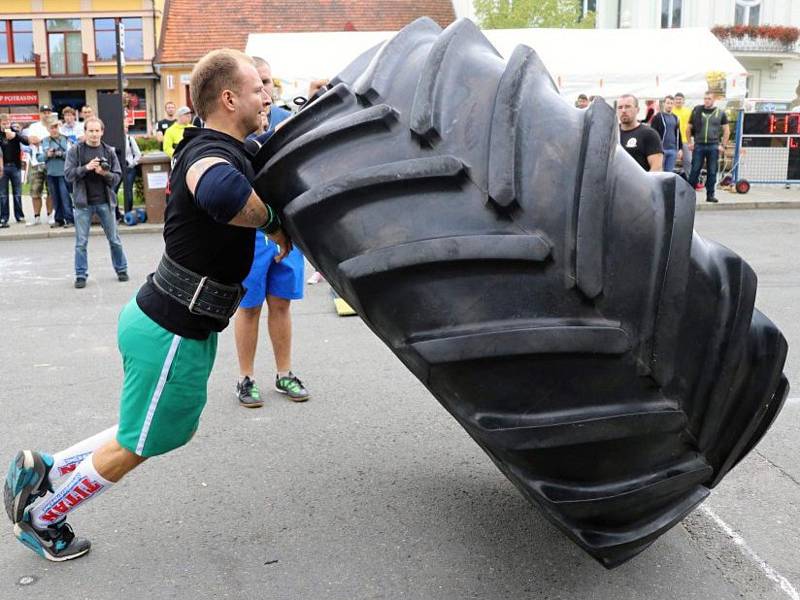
(64, 462)
(84, 484)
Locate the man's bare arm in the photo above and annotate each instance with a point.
(656, 162)
(253, 214)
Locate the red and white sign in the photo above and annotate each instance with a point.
(24, 117)
(19, 98)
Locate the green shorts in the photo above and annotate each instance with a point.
(166, 378)
(37, 178)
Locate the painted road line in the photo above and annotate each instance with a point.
(771, 573)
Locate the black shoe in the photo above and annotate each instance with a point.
(4, 225)
(80, 282)
(123, 276)
(248, 393)
(711, 199)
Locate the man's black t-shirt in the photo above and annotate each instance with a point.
(640, 143)
(95, 184)
(195, 240)
(164, 124)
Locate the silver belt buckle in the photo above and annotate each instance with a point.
(197, 295)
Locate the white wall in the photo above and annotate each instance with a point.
(778, 85)
(782, 86)
(696, 13)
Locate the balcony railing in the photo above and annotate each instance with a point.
(759, 45)
(762, 39)
(68, 64)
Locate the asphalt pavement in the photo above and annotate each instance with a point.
(370, 489)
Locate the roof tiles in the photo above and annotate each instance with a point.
(194, 27)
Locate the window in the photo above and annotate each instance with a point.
(670, 13)
(105, 39)
(748, 12)
(16, 41)
(5, 50)
(64, 46)
(588, 6)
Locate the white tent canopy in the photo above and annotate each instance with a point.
(605, 62)
(649, 63)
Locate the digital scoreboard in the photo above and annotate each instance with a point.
(770, 147)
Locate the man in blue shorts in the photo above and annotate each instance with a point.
(167, 334)
(277, 283)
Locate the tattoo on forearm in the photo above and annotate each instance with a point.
(252, 214)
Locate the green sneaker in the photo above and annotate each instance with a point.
(292, 387)
(248, 393)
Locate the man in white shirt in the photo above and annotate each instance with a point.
(36, 132)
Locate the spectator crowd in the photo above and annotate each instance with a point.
(695, 136)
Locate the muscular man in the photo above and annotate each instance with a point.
(639, 140)
(277, 284)
(168, 334)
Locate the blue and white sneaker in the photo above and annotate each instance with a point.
(55, 542)
(25, 482)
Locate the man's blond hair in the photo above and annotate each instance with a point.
(217, 71)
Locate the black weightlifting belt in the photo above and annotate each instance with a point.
(201, 295)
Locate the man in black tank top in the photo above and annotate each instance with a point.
(167, 335)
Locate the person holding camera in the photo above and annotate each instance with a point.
(93, 169)
(54, 154)
(11, 140)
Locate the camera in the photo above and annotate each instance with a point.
(57, 154)
(104, 164)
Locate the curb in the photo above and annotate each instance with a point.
(778, 204)
(159, 227)
(70, 233)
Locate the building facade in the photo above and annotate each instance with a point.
(194, 27)
(772, 63)
(63, 53)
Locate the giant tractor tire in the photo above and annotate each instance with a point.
(547, 291)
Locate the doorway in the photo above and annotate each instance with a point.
(63, 98)
(754, 84)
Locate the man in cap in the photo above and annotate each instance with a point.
(174, 133)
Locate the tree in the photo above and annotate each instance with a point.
(513, 14)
